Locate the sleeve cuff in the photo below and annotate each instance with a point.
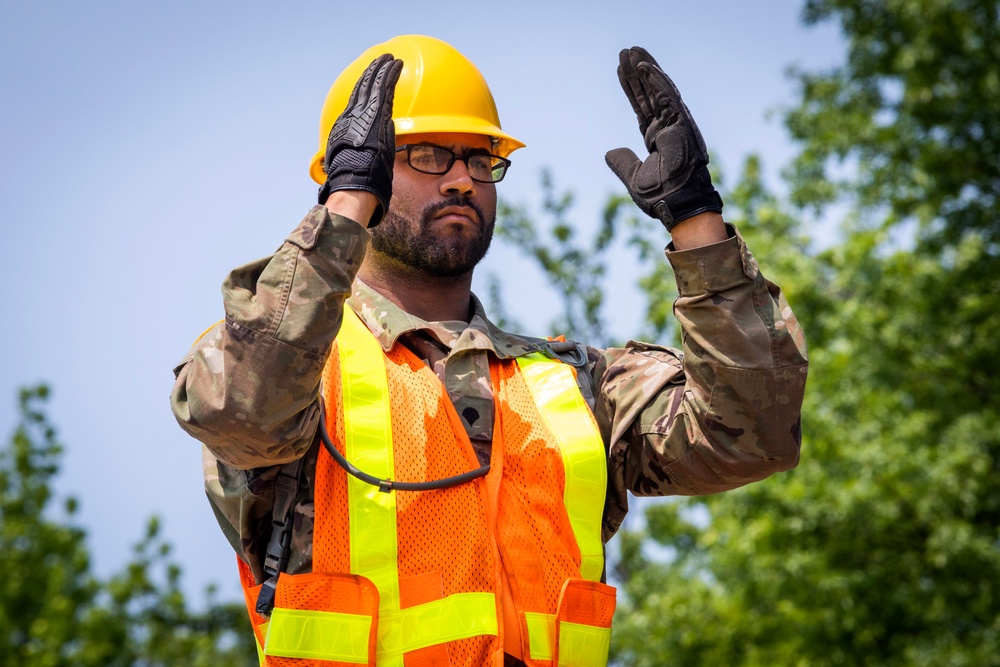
(331, 233)
(714, 267)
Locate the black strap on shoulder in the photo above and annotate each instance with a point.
(286, 490)
(574, 354)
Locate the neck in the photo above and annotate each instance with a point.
(431, 298)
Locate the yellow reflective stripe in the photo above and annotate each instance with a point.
(583, 645)
(260, 649)
(579, 645)
(321, 635)
(541, 635)
(458, 616)
(368, 441)
(372, 513)
(553, 386)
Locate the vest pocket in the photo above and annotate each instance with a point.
(333, 620)
(583, 623)
(579, 634)
(319, 620)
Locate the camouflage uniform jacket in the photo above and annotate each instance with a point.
(723, 413)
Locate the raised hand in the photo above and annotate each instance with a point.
(672, 184)
(361, 149)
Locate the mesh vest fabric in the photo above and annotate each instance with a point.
(454, 541)
(432, 527)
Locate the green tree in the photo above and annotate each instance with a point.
(55, 612)
(577, 270)
(883, 546)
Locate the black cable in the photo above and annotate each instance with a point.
(387, 485)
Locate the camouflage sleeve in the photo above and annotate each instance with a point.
(248, 388)
(723, 413)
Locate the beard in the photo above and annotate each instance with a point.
(401, 239)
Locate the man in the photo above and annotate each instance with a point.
(404, 482)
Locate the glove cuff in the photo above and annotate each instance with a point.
(359, 170)
(695, 197)
(329, 188)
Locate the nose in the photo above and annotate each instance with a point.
(457, 181)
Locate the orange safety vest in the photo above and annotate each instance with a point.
(409, 578)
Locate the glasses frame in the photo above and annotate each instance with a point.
(451, 162)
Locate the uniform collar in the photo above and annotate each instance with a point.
(388, 322)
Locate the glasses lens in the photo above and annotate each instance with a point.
(430, 159)
(486, 168)
(498, 170)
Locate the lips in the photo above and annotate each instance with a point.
(458, 214)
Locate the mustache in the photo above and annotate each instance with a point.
(455, 200)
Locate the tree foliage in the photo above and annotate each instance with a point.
(883, 546)
(578, 271)
(54, 612)
(915, 108)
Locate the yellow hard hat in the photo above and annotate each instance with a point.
(439, 90)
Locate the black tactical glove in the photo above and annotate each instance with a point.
(362, 145)
(673, 183)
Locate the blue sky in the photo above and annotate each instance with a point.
(148, 148)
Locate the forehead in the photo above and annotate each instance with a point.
(456, 141)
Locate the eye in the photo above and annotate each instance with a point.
(480, 163)
(424, 157)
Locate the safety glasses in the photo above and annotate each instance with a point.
(431, 159)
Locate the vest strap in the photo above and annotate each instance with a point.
(372, 512)
(286, 489)
(368, 440)
(458, 616)
(553, 386)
